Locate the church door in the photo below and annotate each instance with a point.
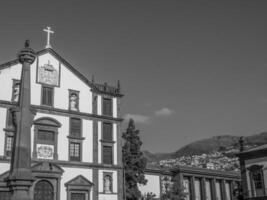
(43, 191)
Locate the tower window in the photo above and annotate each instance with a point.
(107, 106)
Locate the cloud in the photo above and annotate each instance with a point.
(164, 112)
(137, 118)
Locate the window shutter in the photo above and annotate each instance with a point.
(107, 132)
(47, 98)
(107, 107)
(107, 155)
(75, 127)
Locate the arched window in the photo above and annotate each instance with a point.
(45, 138)
(43, 190)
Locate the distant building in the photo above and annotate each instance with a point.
(253, 164)
(198, 183)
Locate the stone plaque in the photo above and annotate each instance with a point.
(45, 151)
(48, 74)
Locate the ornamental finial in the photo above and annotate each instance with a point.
(27, 43)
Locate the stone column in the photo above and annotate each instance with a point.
(96, 184)
(193, 190)
(20, 178)
(213, 188)
(203, 188)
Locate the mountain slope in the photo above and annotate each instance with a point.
(205, 146)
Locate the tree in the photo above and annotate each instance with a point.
(174, 191)
(149, 196)
(177, 191)
(133, 161)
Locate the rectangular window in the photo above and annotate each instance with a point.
(75, 127)
(107, 155)
(107, 106)
(9, 145)
(47, 96)
(77, 196)
(75, 151)
(46, 135)
(107, 132)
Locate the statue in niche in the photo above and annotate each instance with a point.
(107, 184)
(16, 90)
(74, 102)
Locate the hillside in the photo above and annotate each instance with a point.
(216, 152)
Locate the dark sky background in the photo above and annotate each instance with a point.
(189, 69)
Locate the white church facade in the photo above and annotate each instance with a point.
(75, 135)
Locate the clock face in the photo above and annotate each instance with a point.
(48, 74)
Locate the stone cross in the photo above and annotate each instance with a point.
(49, 31)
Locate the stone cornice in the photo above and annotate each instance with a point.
(71, 164)
(62, 112)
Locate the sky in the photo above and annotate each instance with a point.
(189, 70)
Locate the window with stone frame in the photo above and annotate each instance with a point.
(15, 90)
(75, 139)
(107, 182)
(75, 151)
(47, 96)
(75, 128)
(107, 150)
(46, 138)
(73, 100)
(107, 106)
(257, 180)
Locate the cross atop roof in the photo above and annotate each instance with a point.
(49, 31)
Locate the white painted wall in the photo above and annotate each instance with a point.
(3, 113)
(153, 185)
(70, 173)
(6, 79)
(63, 141)
(88, 141)
(68, 80)
(108, 197)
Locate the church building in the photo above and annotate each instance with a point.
(60, 133)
